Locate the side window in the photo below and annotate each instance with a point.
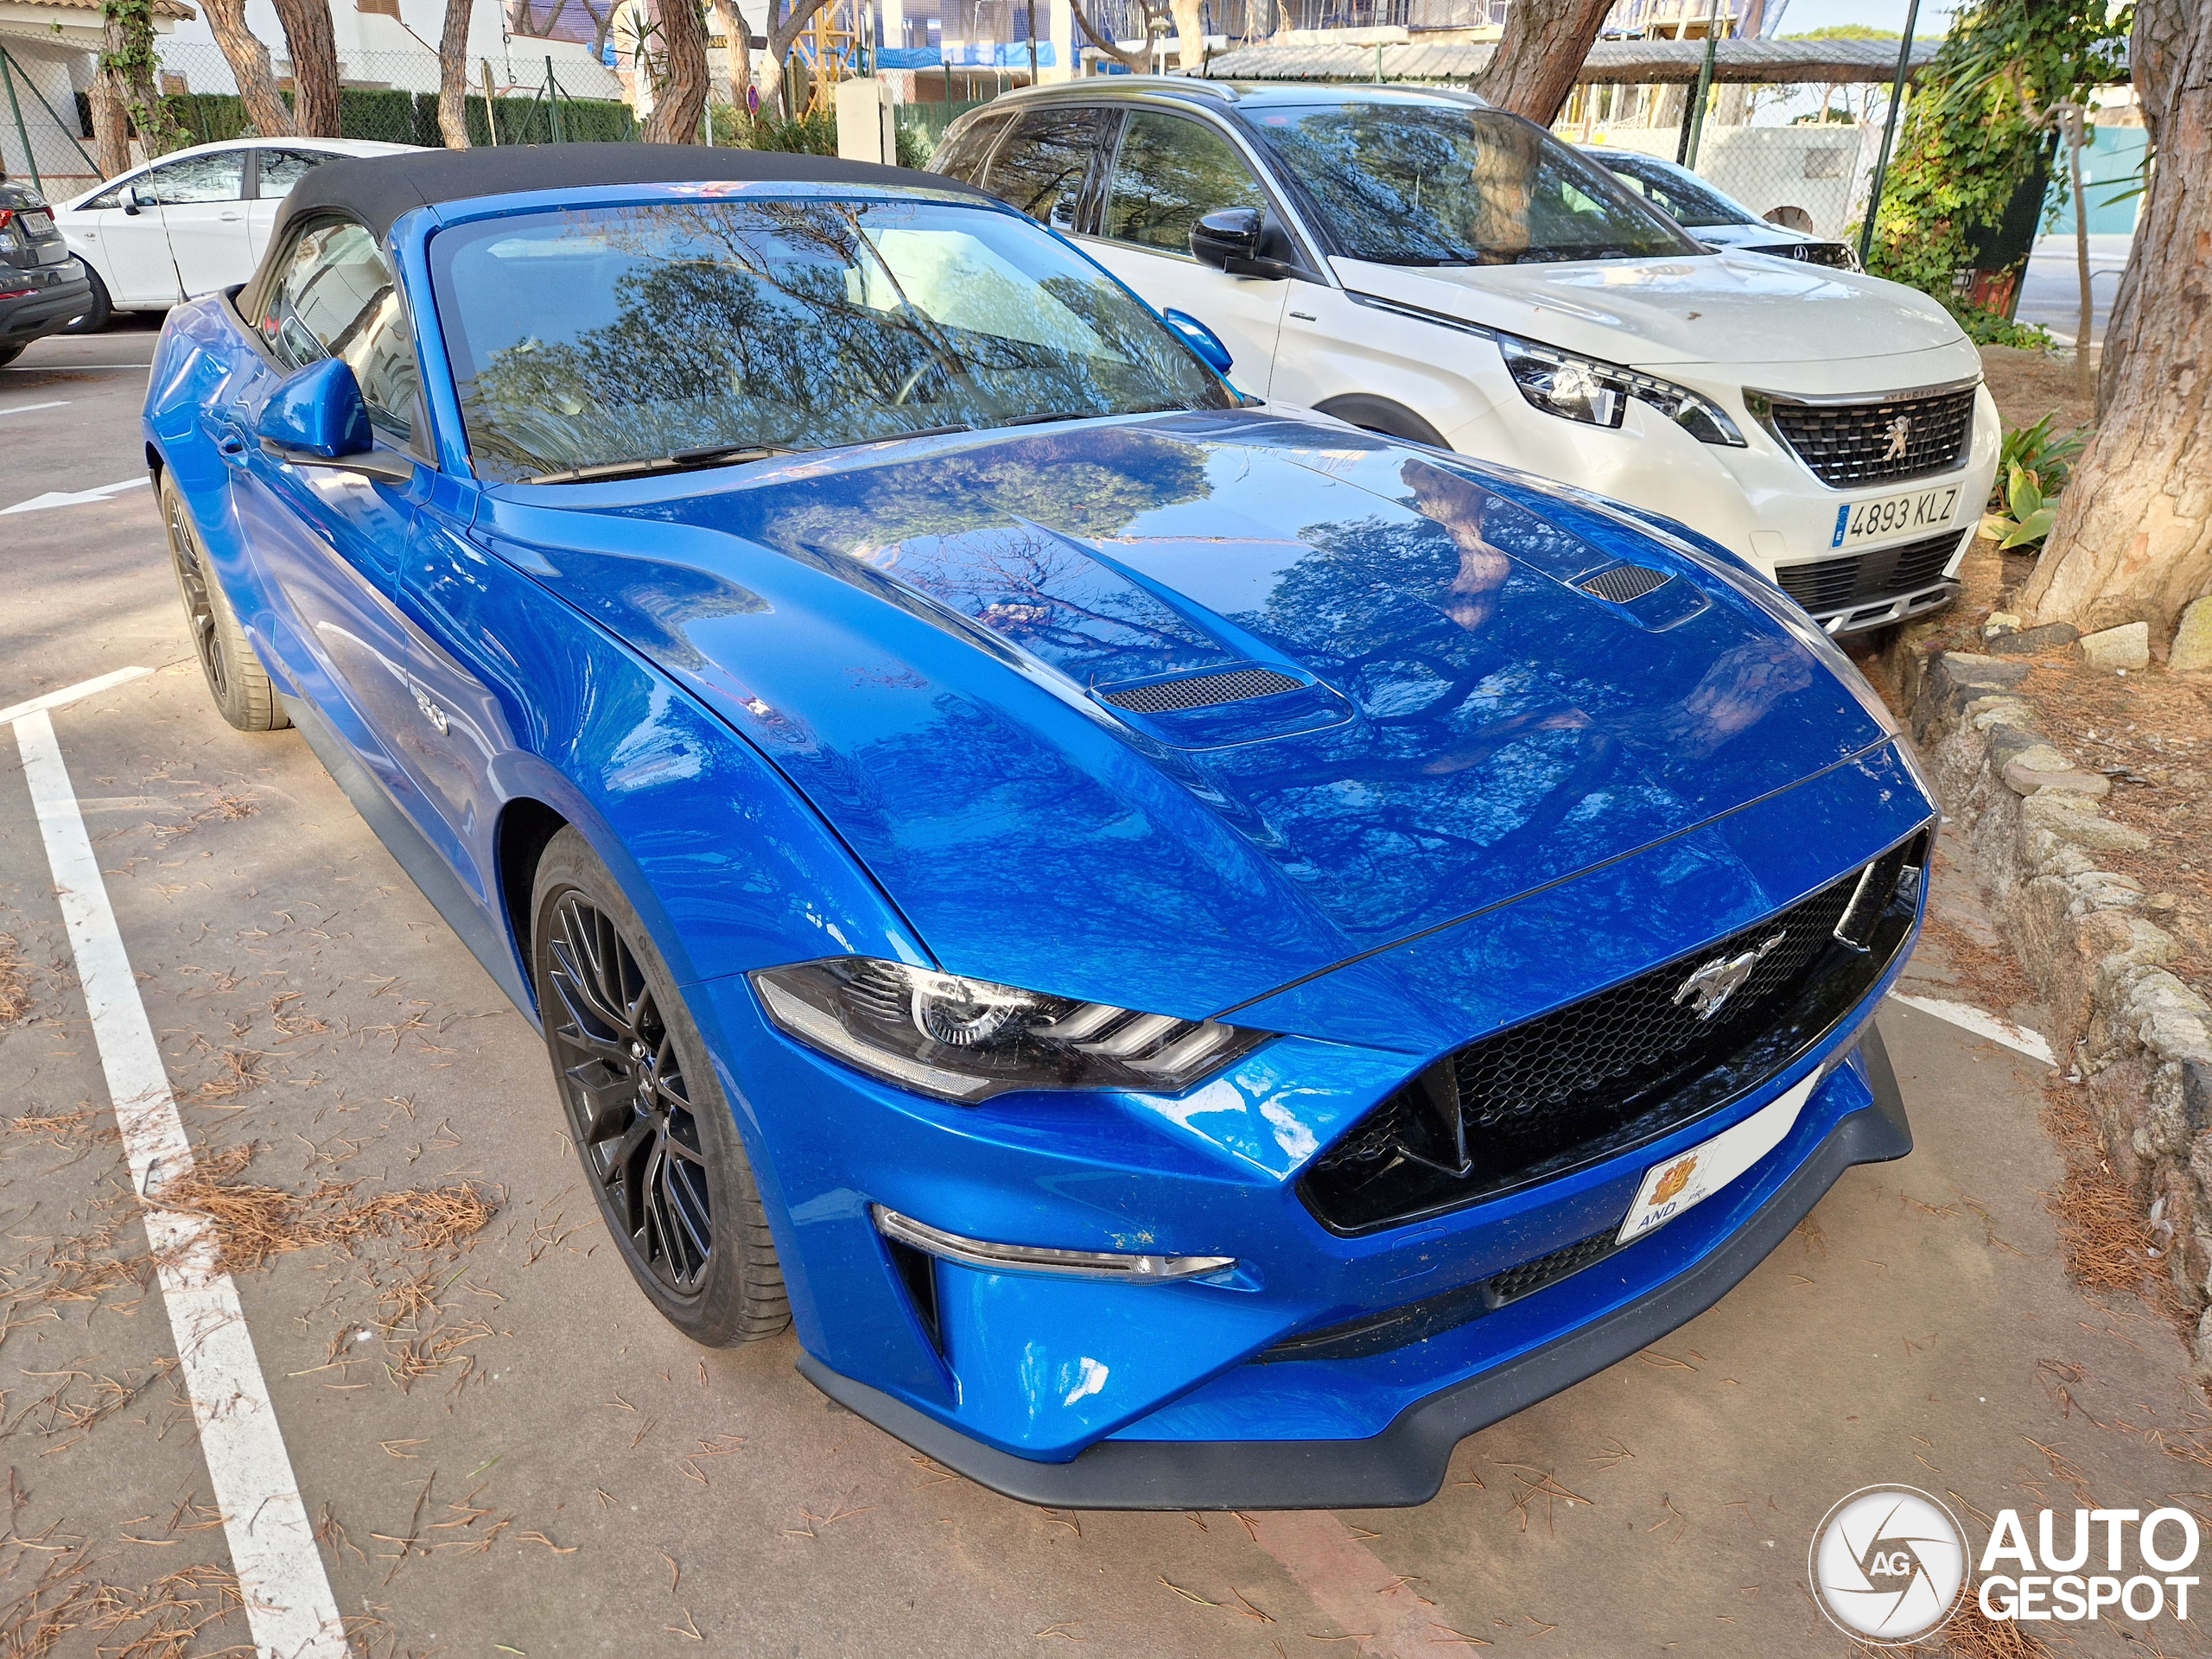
(106, 201)
(1171, 173)
(1043, 165)
(962, 158)
(280, 169)
(332, 296)
(216, 177)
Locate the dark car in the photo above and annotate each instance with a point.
(43, 287)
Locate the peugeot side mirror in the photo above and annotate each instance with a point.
(1227, 238)
(315, 418)
(1200, 339)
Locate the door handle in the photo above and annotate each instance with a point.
(228, 439)
(230, 219)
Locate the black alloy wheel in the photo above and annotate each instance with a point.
(649, 1118)
(626, 1089)
(236, 679)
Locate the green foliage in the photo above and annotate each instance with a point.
(809, 135)
(2035, 464)
(1844, 32)
(412, 117)
(1986, 327)
(138, 69)
(1978, 126)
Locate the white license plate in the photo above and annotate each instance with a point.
(1689, 1178)
(1891, 515)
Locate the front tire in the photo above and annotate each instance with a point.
(659, 1147)
(98, 313)
(236, 679)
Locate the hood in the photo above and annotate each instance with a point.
(1173, 711)
(1729, 307)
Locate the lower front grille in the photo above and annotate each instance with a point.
(1831, 584)
(1617, 1069)
(1378, 1333)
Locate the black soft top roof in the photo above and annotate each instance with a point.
(378, 189)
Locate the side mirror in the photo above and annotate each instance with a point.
(1227, 237)
(131, 199)
(1200, 339)
(315, 418)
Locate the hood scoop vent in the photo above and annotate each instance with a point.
(1620, 584)
(1224, 707)
(1200, 692)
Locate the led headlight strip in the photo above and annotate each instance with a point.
(1597, 393)
(1036, 1258)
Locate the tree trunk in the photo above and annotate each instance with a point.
(314, 47)
(1135, 60)
(1535, 66)
(737, 51)
(781, 39)
(249, 61)
(2133, 540)
(111, 127)
(1190, 35)
(682, 97)
(453, 76)
(130, 72)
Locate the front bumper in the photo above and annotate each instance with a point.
(1406, 1463)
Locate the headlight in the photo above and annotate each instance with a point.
(966, 1039)
(1595, 392)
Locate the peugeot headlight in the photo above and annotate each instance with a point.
(1597, 393)
(966, 1039)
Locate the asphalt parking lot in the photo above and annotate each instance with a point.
(502, 1449)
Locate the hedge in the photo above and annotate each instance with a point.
(410, 117)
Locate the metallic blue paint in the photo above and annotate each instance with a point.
(847, 703)
(319, 409)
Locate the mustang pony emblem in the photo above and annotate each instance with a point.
(1720, 979)
(1900, 430)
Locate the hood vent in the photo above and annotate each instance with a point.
(1201, 691)
(1620, 584)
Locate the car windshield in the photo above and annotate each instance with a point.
(1682, 196)
(1422, 184)
(594, 338)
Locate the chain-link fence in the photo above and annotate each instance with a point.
(43, 142)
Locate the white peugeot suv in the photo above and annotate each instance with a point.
(1416, 263)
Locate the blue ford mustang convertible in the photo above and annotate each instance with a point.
(1199, 955)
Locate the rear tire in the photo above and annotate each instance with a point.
(9, 353)
(98, 313)
(236, 679)
(659, 1147)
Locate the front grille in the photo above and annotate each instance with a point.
(1378, 1333)
(1847, 444)
(1833, 255)
(1830, 584)
(1622, 582)
(1616, 1070)
(1203, 691)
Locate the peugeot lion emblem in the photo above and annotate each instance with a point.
(1721, 978)
(1900, 431)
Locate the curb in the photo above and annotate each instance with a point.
(2029, 824)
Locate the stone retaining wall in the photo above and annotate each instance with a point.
(2027, 822)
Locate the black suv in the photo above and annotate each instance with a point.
(43, 287)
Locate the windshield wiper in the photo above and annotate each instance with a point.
(1089, 414)
(724, 454)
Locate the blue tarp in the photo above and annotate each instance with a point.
(908, 57)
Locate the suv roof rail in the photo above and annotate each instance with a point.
(1092, 84)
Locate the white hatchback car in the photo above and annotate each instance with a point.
(1419, 263)
(194, 221)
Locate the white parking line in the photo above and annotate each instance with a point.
(70, 694)
(289, 1605)
(1967, 1017)
(74, 497)
(25, 409)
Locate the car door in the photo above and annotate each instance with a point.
(1169, 171)
(1048, 167)
(329, 543)
(275, 171)
(127, 244)
(201, 199)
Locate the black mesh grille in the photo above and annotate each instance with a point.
(1623, 582)
(1834, 255)
(1238, 685)
(1829, 584)
(1858, 444)
(1616, 1070)
(1532, 1276)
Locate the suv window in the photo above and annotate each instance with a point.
(333, 296)
(1170, 173)
(220, 176)
(278, 170)
(963, 155)
(1044, 165)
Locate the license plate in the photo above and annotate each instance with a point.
(1888, 515)
(1689, 1178)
